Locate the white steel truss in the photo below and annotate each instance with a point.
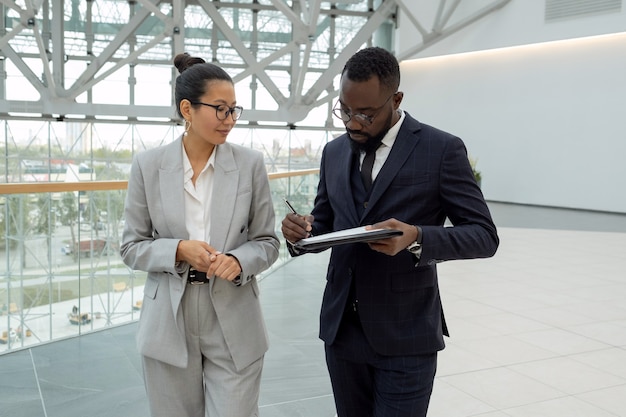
(287, 53)
(104, 67)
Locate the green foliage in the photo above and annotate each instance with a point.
(477, 173)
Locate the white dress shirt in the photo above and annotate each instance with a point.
(387, 143)
(198, 198)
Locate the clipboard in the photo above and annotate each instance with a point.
(357, 234)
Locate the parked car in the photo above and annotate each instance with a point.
(66, 250)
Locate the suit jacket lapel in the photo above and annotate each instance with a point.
(171, 176)
(344, 178)
(225, 190)
(403, 147)
(171, 179)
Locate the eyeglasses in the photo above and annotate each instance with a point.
(222, 111)
(361, 118)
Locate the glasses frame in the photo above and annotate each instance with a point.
(235, 112)
(363, 119)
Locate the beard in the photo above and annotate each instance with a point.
(373, 141)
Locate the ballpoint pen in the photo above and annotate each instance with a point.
(293, 210)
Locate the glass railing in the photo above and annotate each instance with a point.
(61, 274)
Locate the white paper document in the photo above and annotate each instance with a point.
(357, 234)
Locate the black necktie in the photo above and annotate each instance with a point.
(366, 168)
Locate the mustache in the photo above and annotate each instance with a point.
(372, 142)
(356, 146)
(358, 132)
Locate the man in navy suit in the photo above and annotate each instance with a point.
(382, 320)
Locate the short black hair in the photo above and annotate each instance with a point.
(371, 62)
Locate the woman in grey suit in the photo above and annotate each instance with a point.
(200, 221)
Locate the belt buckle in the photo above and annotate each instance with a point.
(191, 278)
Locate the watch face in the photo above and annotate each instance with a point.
(415, 247)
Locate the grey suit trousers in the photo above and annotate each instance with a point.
(209, 386)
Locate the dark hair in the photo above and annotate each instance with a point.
(373, 62)
(195, 72)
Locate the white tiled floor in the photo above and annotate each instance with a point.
(537, 330)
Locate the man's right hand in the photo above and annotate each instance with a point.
(296, 227)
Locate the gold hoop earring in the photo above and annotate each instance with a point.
(187, 127)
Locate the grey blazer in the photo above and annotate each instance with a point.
(242, 224)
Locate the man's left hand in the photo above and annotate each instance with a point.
(393, 245)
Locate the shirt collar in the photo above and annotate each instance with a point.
(392, 134)
(188, 170)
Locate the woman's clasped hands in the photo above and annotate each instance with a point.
(204, 257)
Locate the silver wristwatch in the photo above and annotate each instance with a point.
(416, 247)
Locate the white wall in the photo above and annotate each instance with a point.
(519, 22)
(547, 122)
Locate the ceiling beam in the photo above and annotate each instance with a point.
(307, 40)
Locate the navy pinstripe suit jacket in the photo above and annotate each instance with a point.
(426, 179)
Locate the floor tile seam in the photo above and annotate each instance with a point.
(548, 358)
(499, 366)
(622, 383)
(564, 308)
(603, 299)
(564, 394)
(575, 358)
(562, 230)
(504, 410)
(495, 407)
(607, 345)
(469, 394)
(621, 309)
(471, 299)
(611, 386)
(516, 314)
(595, 323)
(36, 375)
(555, 355)
(450, 315)
(581, 398)
(317, 397)
(574, 396)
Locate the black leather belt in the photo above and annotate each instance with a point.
(197, 277)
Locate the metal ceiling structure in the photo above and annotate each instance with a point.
(287, 54)
(85, 84)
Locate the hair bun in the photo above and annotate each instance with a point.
(184, 61)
